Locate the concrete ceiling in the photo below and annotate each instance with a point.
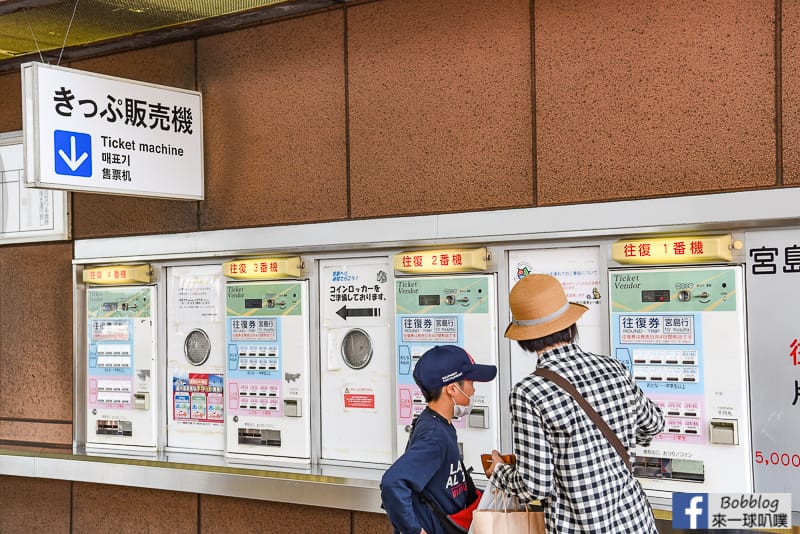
(36, 30)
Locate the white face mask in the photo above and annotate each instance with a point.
(459, 410)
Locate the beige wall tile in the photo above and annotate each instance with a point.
(36, 326)
(127, 510)
(645, 98)
(226, 514)
(34, 505)
(440, 106)
(47, 432)
(273, 99)
(10, 102)
(790, 80)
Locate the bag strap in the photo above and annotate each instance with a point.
(447, 523)
(449, 526)
(593, 415)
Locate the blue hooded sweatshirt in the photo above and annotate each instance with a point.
(431, 463)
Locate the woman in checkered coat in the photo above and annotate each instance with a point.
(563, 459)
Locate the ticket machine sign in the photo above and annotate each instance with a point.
(91, 132)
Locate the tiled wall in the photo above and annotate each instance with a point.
(60, 507)
(403, 107)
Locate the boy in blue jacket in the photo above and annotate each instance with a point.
(431, 468)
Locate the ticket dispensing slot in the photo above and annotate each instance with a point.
(669, 469)
(114, 427)
(255, 436)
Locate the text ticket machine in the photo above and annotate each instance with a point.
(357, 358)
(681, 332)
(195, 377)
(121, 368)
(448, 310)
(267, 384)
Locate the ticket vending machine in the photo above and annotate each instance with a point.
(447, 308)
(681, 332)
(195, 377)
(267, 382)
(121, 359)
(356, 360)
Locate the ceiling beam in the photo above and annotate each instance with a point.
(12, 6)
(183, 32)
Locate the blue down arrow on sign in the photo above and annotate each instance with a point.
(73, 153)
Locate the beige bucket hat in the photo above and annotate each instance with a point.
(539, 307)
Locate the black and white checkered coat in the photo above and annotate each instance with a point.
(564, 461)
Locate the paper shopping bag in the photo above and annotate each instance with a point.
(507, 522)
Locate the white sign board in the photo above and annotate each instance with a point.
(90, 132)
(27, 215)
